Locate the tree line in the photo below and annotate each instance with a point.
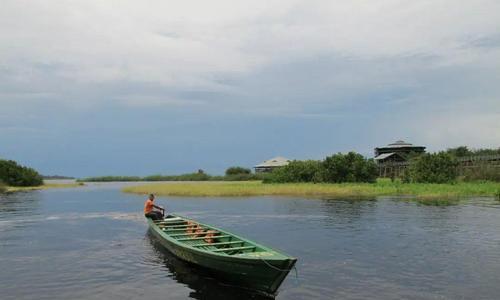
(232, 174)
(354, 167)
(440, 167)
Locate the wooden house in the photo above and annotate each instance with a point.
(271, 164)
(398, 151)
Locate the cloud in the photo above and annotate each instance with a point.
(152, 101)
(379, 70)
(190, 44)
(460, 128)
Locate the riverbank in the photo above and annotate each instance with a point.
(257, 188)
(11, 189)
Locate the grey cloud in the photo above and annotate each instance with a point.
(294, 59)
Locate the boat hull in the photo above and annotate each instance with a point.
(258, 274)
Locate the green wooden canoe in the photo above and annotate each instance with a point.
(234, 259)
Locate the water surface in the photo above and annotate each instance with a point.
(92, 243)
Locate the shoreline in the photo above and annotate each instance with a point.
(380, 188)
(13, 189)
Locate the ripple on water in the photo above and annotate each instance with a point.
(93, 244)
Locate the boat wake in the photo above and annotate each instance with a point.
(13, 223)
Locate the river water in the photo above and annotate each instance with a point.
(92, 243)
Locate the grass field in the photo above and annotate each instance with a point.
(380, 188)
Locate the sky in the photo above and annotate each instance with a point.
(145, 87)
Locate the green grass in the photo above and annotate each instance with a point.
(380, 188)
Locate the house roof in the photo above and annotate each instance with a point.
(274, 162)
(384, 155)
(400, 144)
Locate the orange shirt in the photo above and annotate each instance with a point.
(148, 206)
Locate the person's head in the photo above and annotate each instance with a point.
(151, 197)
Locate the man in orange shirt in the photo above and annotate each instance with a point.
(149, 207)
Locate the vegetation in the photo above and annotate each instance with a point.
(482, 172)
(199, 176)
(463, 151)
(435, 201)
(240, 177)
(443, 167)
(111, 179)
(14, 178)
(432, 168)
(57, 177)
(297, 171)
(237, 171)
(13, 174)
(382, 187)
(350, 167)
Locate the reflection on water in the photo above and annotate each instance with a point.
(202, 283)
(14, 207)
(90, 243)
(22, 203)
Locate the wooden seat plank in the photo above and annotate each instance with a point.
(175, 226)
(180, 234)
(182, 229)
(170, 222)
(218, 244)
(201, 238)
(234, 249)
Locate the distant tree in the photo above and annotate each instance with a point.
(486, 151)
(237, 171)
(297, 171)
(433, 168)
(350, 167)
(459, 151)
(110, 179)
(57, 177)
(412, 154)
(463, 151)
(14, 174)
